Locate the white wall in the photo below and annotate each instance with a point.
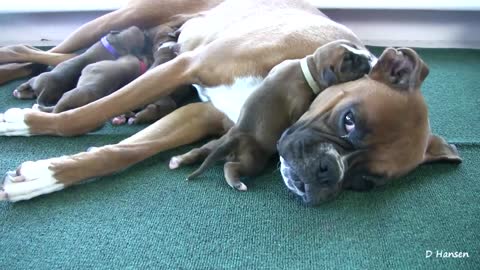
(384, 27)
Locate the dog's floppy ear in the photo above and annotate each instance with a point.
(438, 150)
(401, 68)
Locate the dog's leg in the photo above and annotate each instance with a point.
(193, 156)
(208, 65)
(25, 53)
(141, 13)
(145, 89)
(14, 71)
(185, 125)
(25, 90)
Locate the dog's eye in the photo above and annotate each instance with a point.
(349, 122)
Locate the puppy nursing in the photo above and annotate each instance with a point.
(99, 80)
(163, 40)
(280, 100)
(50, 86)
(104, 68)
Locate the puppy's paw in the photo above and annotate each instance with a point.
(24, 91)
(341, 61)
(355, 63)
(12, 122)
(175, 162)
(119, 120)
(149, 114)
(193, 156)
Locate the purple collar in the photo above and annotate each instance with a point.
(109, 47)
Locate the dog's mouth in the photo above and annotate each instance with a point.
(291, 180)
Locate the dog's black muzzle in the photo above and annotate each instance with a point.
(311, 165)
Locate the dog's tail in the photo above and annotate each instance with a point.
(221, 151)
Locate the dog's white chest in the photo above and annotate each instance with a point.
(230, 98)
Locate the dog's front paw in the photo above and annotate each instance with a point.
(31, 179)
(341, 61)
(355, 63)
(24, 91)
(12, 123)
(119, 120)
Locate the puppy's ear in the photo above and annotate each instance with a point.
(401, 68)
(438, 150)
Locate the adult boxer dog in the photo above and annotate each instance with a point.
(49, 87)
(378, 123)
(270, 110)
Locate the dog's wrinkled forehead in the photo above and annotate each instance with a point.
(383, 113)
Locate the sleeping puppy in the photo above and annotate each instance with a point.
(99, 80)
(163, 42)
(50, 86)
(278, 102)
(162, 39)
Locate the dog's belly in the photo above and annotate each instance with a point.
(230, 98)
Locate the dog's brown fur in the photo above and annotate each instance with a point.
(227, 40)
(49, 87)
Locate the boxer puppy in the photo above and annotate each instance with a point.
(99, 80)
(162, 39)
(163, 42)
(50, 86)
(280, 100)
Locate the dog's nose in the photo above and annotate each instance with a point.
(328, 171)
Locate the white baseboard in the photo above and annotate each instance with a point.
(412, 28)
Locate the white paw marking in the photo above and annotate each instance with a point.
(34, 179)
(174, 163)
(12, 123)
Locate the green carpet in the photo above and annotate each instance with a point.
(149, 217)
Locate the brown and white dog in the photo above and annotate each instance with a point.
(270, 110)
(376, 127)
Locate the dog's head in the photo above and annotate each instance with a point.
(363, 133)
(128, 41)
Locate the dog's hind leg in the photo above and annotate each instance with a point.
(141, 13)
(193, 156)
(25, 53)
(185, 125)
(249, 163)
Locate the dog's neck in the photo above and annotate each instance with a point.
(109, 47)
(307, 74)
